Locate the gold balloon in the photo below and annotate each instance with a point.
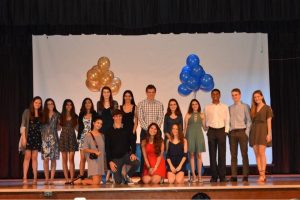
(117, 81)
(104, 64)
(114, 88)
(106, 79)
(93, 86)
(96, 67)
(93, 75)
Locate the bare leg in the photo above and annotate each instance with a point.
(53, 168)
(72, 165)
(192, 164)
(263, 161)
(258, 161)
(26, 161)
(65, 165)
(46, 170)
(82, 163)
(171, 177)
(155, 179)
(199, 163)
(179, 178)
(146, 179)
(34, 165)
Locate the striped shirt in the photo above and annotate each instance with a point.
(150, 111)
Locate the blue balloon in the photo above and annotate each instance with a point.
(186, 68)
(192, 60)
(184, 76)
(184, 90)
(206, 80)
(198, 71)
(208, 87)
(193, 83)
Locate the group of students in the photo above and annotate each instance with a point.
(107, 137)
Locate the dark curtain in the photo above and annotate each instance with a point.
(19, 19)
(16, 80)
(284, 51)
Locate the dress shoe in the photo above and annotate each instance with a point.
(223, 180)
(233, 179)
(213, 180)
(245, 179)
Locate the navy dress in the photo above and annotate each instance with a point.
(175, 153)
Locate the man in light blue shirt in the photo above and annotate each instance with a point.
(240, 122)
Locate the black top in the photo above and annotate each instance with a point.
(118, 142)
(106, 115)
(168, 122)
(80, 123)
(128, 119)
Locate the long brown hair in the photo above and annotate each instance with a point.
(31, 108)
(63, 116)
(190, 110)
(101, 102)
(45, 118)
(157, 140)
(177, 111)
(254, 105)
(83, 109)
(180, 133)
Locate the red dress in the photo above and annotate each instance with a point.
(161, 170)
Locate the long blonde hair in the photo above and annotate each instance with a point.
(254, 105)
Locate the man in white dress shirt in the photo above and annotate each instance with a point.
(217, 122)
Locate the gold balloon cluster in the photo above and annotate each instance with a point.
(100, 75)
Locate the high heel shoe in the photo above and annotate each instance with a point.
(262, 176)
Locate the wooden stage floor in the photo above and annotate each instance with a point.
(276, 187)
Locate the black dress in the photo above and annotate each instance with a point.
(34, 138)
(175, 153)
(128, 120)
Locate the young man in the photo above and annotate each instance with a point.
(217, 121)
(120, 146)
(240, 123)
(149, 110)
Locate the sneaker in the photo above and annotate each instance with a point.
(128, 180)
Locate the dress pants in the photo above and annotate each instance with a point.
(217, 143)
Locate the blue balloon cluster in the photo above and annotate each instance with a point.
(194, 78)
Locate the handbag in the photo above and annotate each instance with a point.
(93, 156)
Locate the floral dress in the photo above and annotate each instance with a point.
(50, 139)
(86, 129)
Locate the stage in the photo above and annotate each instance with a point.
(276, 187)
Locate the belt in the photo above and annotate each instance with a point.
(215, 129)
(238, 129)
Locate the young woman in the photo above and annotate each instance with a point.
(50, 140)
(129, 109)
(105, 108)
(129, 117)
(173, 116)
(260, 132)
(193, 122)
(153, 148)
(86, 116)
(94, 143)
(67, 143)
(176, 155)
(31, 139)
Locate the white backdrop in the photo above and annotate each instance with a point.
(234, 60)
